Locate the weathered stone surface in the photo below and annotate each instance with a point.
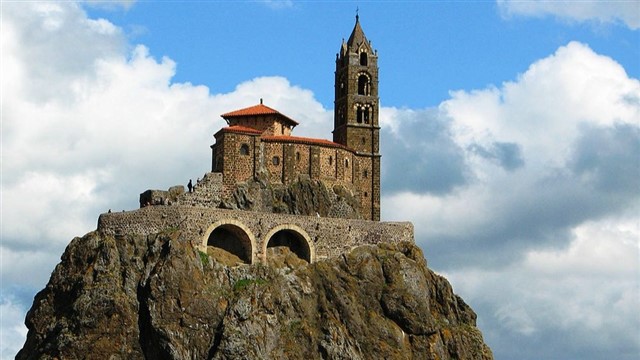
(158, 297)
(302, 197)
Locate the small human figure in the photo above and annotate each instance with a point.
(109, 211)
(190, 186)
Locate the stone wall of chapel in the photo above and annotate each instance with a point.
(328, 161)
(302, 156)
(269, 125)
(284, 162)
(273, 161)
(237, 166)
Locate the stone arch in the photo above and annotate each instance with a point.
(232, 236)
(293, 237)
(364, 84)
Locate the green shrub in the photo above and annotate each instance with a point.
(203, 257)
(243, 283)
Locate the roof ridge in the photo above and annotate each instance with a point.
(256, 110)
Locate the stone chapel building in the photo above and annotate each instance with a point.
(258, 144)
(258, 140)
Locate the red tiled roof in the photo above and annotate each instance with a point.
(303, 140)
(259, 109)
(240, 129)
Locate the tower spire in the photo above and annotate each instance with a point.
(356, 109)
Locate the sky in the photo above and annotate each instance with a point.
(510, 138)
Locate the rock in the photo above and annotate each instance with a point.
(303, 197)
(158, 297)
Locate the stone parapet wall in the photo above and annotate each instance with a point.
(329, 237)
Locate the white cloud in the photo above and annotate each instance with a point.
(89, 125)
(508, 193)
(527, 152)
(604, 11)
(546, 247)
(589, 289)
(12, 330)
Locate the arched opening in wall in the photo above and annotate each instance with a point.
(366, 115)
(288, 246)
(230, 245)
(363, 85)
(359, 115)
(363, 58)
(244, 149)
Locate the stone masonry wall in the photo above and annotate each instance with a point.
(329, 237)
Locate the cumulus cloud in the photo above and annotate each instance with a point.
(423, 139)
(536, 156)
(13, 332)
(509, 187)
(541, 236)
(603, 11)
(588, 289)
(91, 122)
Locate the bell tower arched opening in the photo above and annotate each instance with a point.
(363, 58)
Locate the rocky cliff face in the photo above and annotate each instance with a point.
(158, 297)
(303, 197)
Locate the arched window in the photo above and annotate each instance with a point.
(244, 149)
(298, 156)
(363, 85)
(330, 160)
(365, 174)
(359, 115)
(366, 115)
(346, 163)
(363, 58)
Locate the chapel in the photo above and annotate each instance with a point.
(259, 142)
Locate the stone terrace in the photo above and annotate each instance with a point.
(325, 237)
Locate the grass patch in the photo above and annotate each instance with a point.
(244, 283)
(204, 258)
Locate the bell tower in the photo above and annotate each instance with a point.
(356, 108)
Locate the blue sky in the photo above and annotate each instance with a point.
(510, 138)
(447, 45)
